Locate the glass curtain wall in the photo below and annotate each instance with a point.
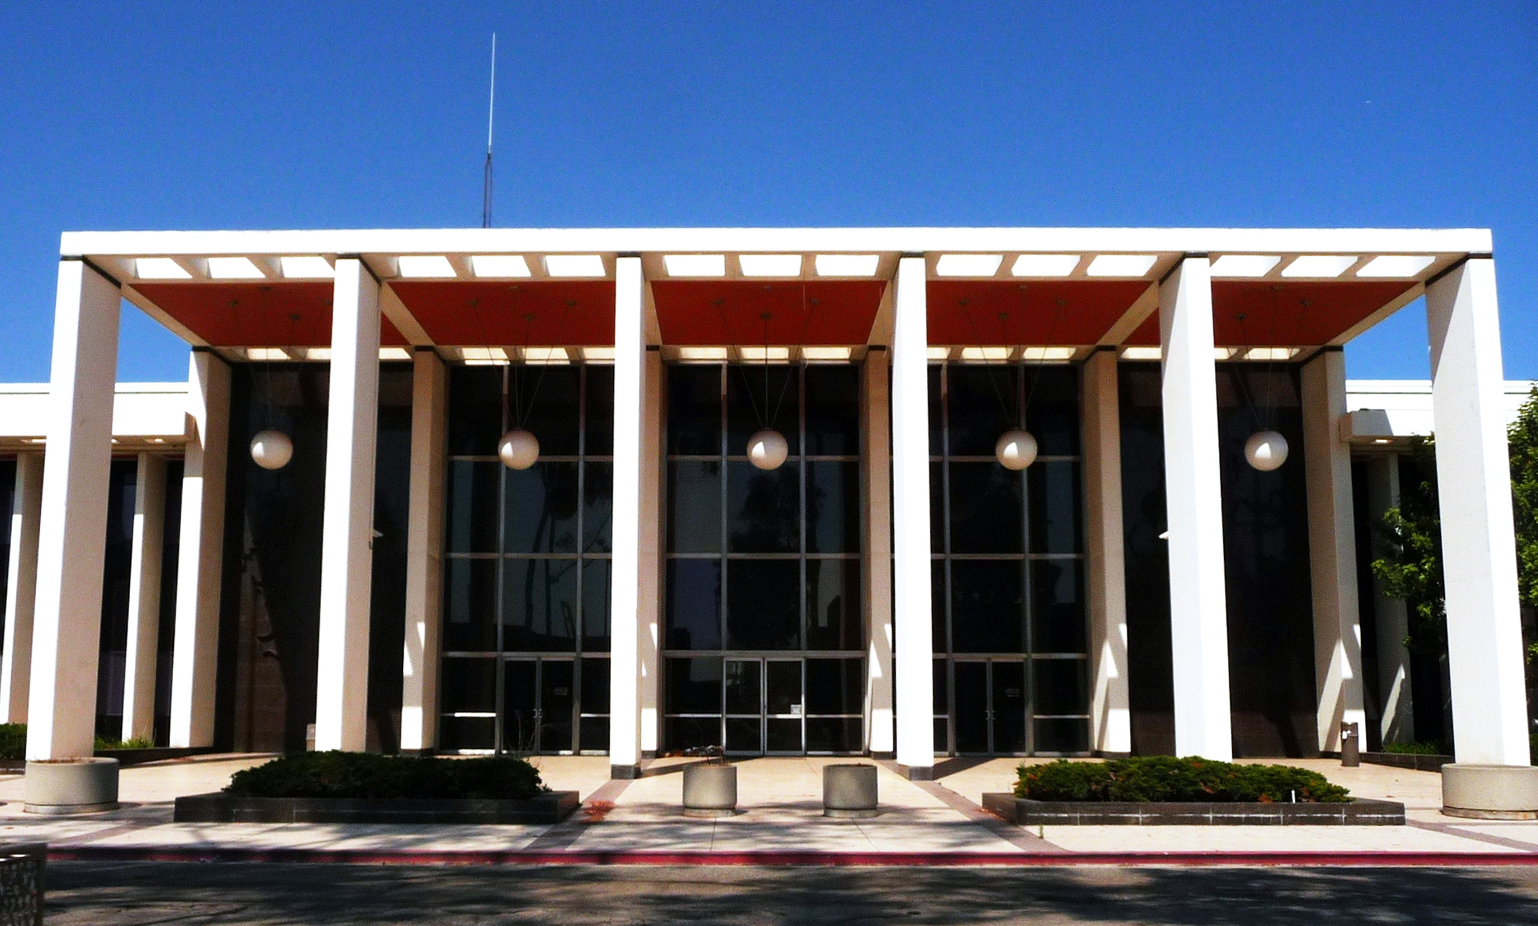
(1010, 631)
(527, 570)
(764, 633)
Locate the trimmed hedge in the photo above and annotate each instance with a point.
(13, 741)
(1166, 778)
(362, 775)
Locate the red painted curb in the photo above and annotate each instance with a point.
(781, 858)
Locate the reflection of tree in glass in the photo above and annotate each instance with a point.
(766, 520)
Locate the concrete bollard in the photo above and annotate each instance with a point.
(710, 790)
(849, 790)
(71, 786)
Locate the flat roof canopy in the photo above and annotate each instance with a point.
(267, 295)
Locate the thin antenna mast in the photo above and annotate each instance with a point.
(490, 113)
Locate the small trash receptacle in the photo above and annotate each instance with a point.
(1350, 746)
(849, 790)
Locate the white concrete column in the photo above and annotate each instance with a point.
(1194, 508)
(1332, 550)
(1110, 722)
(1397, 725)
(144, 599)
(424, 552)
(630, 392)
(913, 616)
(649, 598)
(200, 552)
(877, 460)
(347, 528)
(72, 537)
(1484, 637)
(16, 663)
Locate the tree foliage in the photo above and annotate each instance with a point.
(1411, 565)
(1523, 439)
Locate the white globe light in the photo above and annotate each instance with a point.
(767, 449)
(271, 449)
(518, 449)
(1016, 449)
(1266, 450)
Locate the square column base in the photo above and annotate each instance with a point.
(624, 772)
(1490, 792)
(916, 772)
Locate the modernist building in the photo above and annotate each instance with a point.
(648, 584)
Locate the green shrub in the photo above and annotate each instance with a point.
(108, 742)
(1416, 749)
(13, 741)
(362, 775)
(1166, 778)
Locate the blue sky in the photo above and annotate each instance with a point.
(306, 115)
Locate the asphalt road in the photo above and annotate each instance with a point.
(190, 893)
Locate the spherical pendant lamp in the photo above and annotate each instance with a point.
(518, 449)
(1016, 449)
(271, 449)
(1266, 450)
(767, 449)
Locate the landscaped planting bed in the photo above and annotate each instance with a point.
(347, 787)
(1167, 790)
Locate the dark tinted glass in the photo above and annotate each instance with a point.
(596, 602)
(751, 405)
(557, 698)
(1057, 606)
(475, 410)
(694, 507)
(744, 734)
(936, 507)
(983, 400)
(987, 606)
(834, 619)
(1054, 488)
(539, 604)
(1062, 686)
(598, 508)
(469, 685)
(832, 507)
(939, 603)
(833, 734)
(1053, 414)
(694, 686)
(594, 734)
(941, 682)
(833, 410)
(467, 733)
(986, 509)
(549, 399)
(472, 504)
(600, 410)
(541, 509)
(763, 508)
(693, 616)
(763, 604)
(782, 687)
(835, 686)
(1062, 735)
(595, 687)
(692, 732)
(470, 605)
(936, 411)
(694, 409)
(744, 686)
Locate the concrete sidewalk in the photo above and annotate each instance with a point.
(780, 821)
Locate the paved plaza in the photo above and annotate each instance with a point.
(780, 818)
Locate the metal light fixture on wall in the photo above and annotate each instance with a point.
(1266, 450)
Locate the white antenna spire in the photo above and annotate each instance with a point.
(490, 115)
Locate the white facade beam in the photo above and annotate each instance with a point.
(73, 530)
(877, 460)
(1110, 720)
(913, 615)
(1484, 636)
(347, 556)
(16, 662)
(630, 393)
(424, 553)
(1332, 550)
(144, 599)
(650, 550)
(200, 552)
(1194, 508)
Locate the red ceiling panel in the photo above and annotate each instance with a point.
(1054, 312)
(461, 313)
(1286, 314)
(714, 312)
(255, 314)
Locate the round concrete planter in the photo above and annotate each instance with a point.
(849, 791)
(1490, 792)
(710, 790)
(71, 786)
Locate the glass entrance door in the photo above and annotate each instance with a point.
(537, 704)
(765, 709)
(990, 706)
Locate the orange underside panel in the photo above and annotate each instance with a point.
(255, 314)
(1260, 313)
(1054, 312)
(836, 312)
(458, 313)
